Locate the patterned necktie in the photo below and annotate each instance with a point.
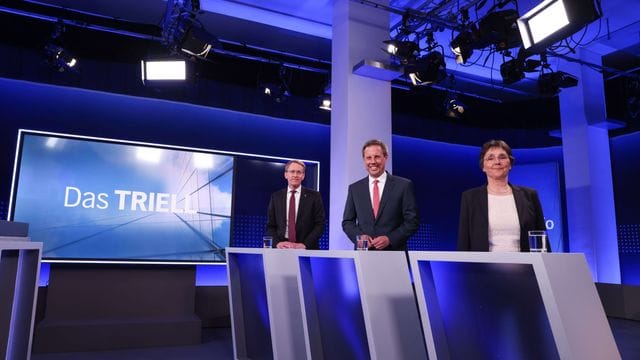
(291, 221)
(376, 198)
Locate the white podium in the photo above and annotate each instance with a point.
(315, 304)
(19, 271)
(266, 318)
(510, 306)
(359, 305)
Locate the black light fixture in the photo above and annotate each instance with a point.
(454, 108)
(553, 20)
(498, 28)
(404, 52)
(428, 69)
(55, 54)
(550, 83)
(279, 92)
(512, 71)
(183, 33)
(59, 58)
(277, 89)
(324, 102)
(197, 42)
(462, 46)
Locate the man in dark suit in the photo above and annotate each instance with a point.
(295, 216)
(381, 205)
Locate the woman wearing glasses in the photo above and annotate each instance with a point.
(497, 216)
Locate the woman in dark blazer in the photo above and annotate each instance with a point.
(499, 215)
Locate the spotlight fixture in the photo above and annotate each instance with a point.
(553, 20)
(428, 69)
(59, 58)
(404, 52)
(512, 71)
(498, 28)
(277, 87)
(550, 83)
(196, 42)
(278, 92)
(462, 46)
(182, 32)
(324, 102)
(55, 54)
(454, 108)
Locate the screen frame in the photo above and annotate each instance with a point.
(16, 175)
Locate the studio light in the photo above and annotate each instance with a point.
(498, 28)
(55, 54)
(462, 46)
(554, 20)
(403, 51)
(163, 70)
(512, 71)
(428, 69)
(182, 32)
(324, 102)
(550, 83)
(278, 92)
(197, 42)
(454, 108)
(59, 58)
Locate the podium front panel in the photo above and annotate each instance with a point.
(510, 306)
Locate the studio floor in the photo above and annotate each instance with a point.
(217, 344)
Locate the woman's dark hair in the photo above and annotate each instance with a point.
(495, 143)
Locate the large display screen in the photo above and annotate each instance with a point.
(105, 200)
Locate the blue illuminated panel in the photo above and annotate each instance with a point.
(253, 298)
(333, 308)
(486, 311)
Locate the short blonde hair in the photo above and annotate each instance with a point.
(286, 166)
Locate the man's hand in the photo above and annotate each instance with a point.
(380, 242)
(290, 245)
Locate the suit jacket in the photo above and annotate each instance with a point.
(397, 215)
(473, 229)
(309, 219)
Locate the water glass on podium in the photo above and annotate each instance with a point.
(267, 242)
(538, 241)
(362, 242)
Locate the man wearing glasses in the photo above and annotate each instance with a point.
(295, 216)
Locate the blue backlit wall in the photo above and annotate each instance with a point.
(440, 171)
(625, 165)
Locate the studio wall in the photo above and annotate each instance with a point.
(441, 171)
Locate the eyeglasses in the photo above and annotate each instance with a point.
(295, 172)
(501, 157)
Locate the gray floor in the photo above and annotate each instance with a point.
(217, 344)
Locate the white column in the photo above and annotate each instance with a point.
(361, 106)
(591, 213)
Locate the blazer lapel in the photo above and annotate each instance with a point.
(518, 196)
(303, 203)
(483, 203)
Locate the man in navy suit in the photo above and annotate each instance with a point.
(307, 211)
(381, 205)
